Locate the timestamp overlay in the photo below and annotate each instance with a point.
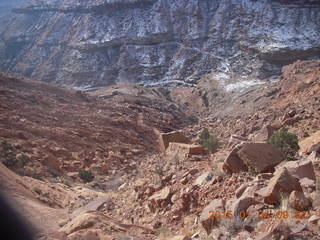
(263, 214)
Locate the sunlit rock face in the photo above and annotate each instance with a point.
(94, 43)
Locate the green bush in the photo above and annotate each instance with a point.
(86, 176)
(208, 141)
(285, 141)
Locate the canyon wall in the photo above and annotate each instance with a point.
(94, 43)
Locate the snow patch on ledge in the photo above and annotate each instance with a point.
(242, 85)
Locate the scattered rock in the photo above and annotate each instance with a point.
(83, 221)
(160, 199)
(314, 157)
(207, 220)
(260, 156)
(281, 183)
(298, 201)
(205, 177)
(314, 219)
(300, 169)
(307, 183)
(180, 237)
(233, 163)
(278, 230)
(91, 206)
(310, 144)
(175, 136)
(241, 189)
(264, 134)
(89, 234)
(235, 140)
(182, 149)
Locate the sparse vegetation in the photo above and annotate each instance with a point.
(7, 155)
(10, 157)
(208, 141)
(86, 175)
(285, 141)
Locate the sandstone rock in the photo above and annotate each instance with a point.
(160, 199)
(91, 206)
(83, 221)
(207, 176)
(264, 134)
(207, 221)
(314, 157)
(233, 163)
(243, 235)
(176, 136)
(278, 230)
(240, 190)
(182, 149)
(247, 198)
(310, 144)
(235, 140)
(314, 219)
(281, 183)
(264, 176)
(89, 234)
(180, 237)
(298, 201)
(251, 221)
(260, 156)
(52, 162)
(56, 235)
(307, 183)
(239, 206)
(300, 169)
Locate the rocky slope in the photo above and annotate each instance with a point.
(62, 131)
(96, 43)
(48, 134)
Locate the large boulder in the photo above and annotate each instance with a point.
(207, 219)
(233, 163)
(299, 201)
(281, 183)
(300, 169)
(176, 136)
(310, 144)
(182, 149)
(260, 157)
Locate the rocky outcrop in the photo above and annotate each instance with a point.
(96, 43)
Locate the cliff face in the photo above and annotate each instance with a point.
(95, 43)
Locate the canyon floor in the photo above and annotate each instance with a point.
(139, 191)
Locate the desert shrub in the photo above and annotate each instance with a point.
(208, 141)
(86, 175)
(285, 141)
(7, 155)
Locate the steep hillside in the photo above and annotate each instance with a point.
(63, 131)
(96, 43)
